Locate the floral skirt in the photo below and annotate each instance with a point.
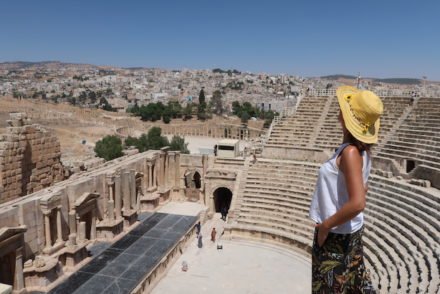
(338, 266)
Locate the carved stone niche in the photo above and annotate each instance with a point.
(86, 209)
(111, 225)
(82, 224)
(11, 257)
(51, 207)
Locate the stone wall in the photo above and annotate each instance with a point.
(56, 224)
(29, 159)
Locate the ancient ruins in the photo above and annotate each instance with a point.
(48, 224)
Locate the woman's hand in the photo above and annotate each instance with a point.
(322, 233)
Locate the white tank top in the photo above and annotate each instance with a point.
(331, 193)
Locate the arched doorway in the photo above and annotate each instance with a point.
(222, 199)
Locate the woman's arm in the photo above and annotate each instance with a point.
(351, 166)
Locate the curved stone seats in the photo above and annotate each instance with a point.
(415, 134)
(378, 266)
(415, 143)
(280, 201)
(429, 150)
(378, 273)
(300, 209)
(383, 237)
(304, 244)
(275, 223)
(412, 270)
(415, 234)
(391, 154)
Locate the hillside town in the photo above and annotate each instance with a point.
(121, 88)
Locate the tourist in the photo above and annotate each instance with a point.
(224, 212)
(199, 241)
(340, 197)
(213, 234)
(198, 228)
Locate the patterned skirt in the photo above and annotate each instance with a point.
(338, 266)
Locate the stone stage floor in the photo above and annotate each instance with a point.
(123, 265)
(240, 267)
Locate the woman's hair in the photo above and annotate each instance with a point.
(361, 146)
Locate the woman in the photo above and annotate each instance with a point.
(340, 196)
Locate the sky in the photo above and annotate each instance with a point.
(386, 38)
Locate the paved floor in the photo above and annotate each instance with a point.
(240, 267)
(122, 266)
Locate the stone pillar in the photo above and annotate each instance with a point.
(93, 225)
(150, 175)
(166, 169)
(59, 230)
(110, 209)
(126, 190)
(118, 199)
(72, 225)
(18, 275)
(155, 175)
(82, 231)
(172, 170)
(133, 188)
(47, 230)
(177, 171)
(145, 178)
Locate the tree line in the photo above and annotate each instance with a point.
(111, 146)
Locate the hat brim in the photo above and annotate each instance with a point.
(369, 136)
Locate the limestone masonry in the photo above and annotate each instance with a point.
(29, 159)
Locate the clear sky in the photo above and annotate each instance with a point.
(381, 38)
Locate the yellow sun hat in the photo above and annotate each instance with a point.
(361, 110)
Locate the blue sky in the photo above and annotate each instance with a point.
(386, 38)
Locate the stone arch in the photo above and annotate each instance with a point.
(193, 178)
(222, 199)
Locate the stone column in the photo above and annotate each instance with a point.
(126, 190)
(133, 188)
(150, 175)
(118, 197)
(177, 171)
(172, 170)
(47, 229)
(110, 209)
(18, 275)
(59, 230)
(93, 225)
(72, 225)
(82, 231)
(154, 175)
(145, 178)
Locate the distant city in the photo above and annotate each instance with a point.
(87, 85)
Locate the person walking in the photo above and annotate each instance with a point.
(340, 197)
(213, 234)
(198, 228)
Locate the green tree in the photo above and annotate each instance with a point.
(244, 117)
(187, 112)
(109, 147)
(155, 139)
(217, 102)
(236, 108)
(202, 99)
(178, 144)
(175, 109)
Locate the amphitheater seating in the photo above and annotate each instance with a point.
(276, 198)
(418, 137)
(330, 133)
(402, 228)
(297, 130)
(402, 231)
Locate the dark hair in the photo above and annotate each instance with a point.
(361, 146)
